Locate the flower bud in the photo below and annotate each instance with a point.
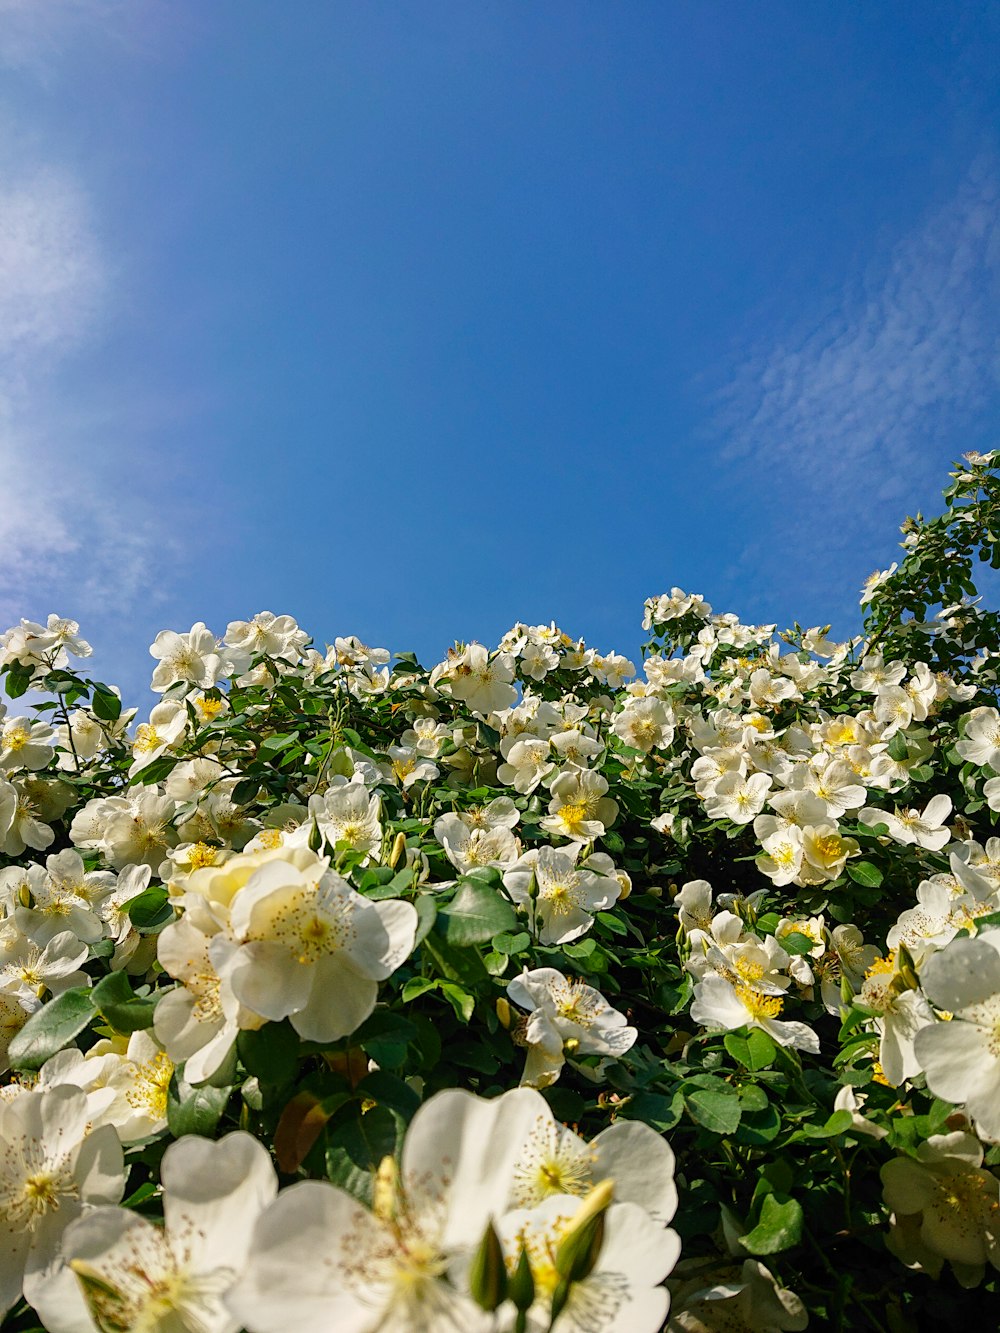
(487, 1272)
(521, 1283)
(398, 850)
(385, 1192)
(503, 1011)
(577, 1252)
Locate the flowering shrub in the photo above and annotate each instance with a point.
(529, 992)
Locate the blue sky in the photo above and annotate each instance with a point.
(416, 319)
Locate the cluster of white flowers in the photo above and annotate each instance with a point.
(252, 938)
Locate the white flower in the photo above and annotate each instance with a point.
(644, 724)
(468, 847)
(739, 1299)
(945, 1206)
(198, 1021)
(481, 682)
(313, 950)
(720, 1004)
(51, 1166)
(621, 1292)
(900, 1016)
(579, 809)
(265, 635)
(555, 1160)
(166, 726)
(980, 743)
(565, 896)
(737, 797)
(961, 1058)
(924, 828)
(348, 814)
(193, 658)
(527, 762)
(26, 744)
(565, 1018)
(127, 1273)
(321, 1261)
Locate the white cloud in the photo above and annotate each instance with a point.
(919, 339)
(861, 410)
(37, 35)
(63, 531)
(52, 275)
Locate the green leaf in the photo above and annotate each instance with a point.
(768, 923)
(51, 1028)
(779, 1226)
(511, 944)
(195, 1110)
(460, 1000)
(796, 944)
(718, 1111)
(426, 916)
(753, 1098)
(270, 1052)
(838, 1122)
(865, 873)
(759, 1127)
(475, 915)
(155, 772)
(462, 965)
(120, 1006)
(355, 1148)
(417, 986)
(18, 679)
(387, 1090)
(753, 1049)
(384, 1037)
(612, 923)
(662, 1113)
(150, 910)
(105, 704)
(897, 748)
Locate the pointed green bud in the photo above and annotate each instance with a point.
(521, 1283)
(488, 1273)
(315, 837)
(577, 1252)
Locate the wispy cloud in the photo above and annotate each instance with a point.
(61, 528)
(866, 405)
(37, 35)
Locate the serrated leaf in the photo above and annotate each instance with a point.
(754, 1049)
(865, 873)
(51, 1028)
(796, 943)
(720, 1112)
